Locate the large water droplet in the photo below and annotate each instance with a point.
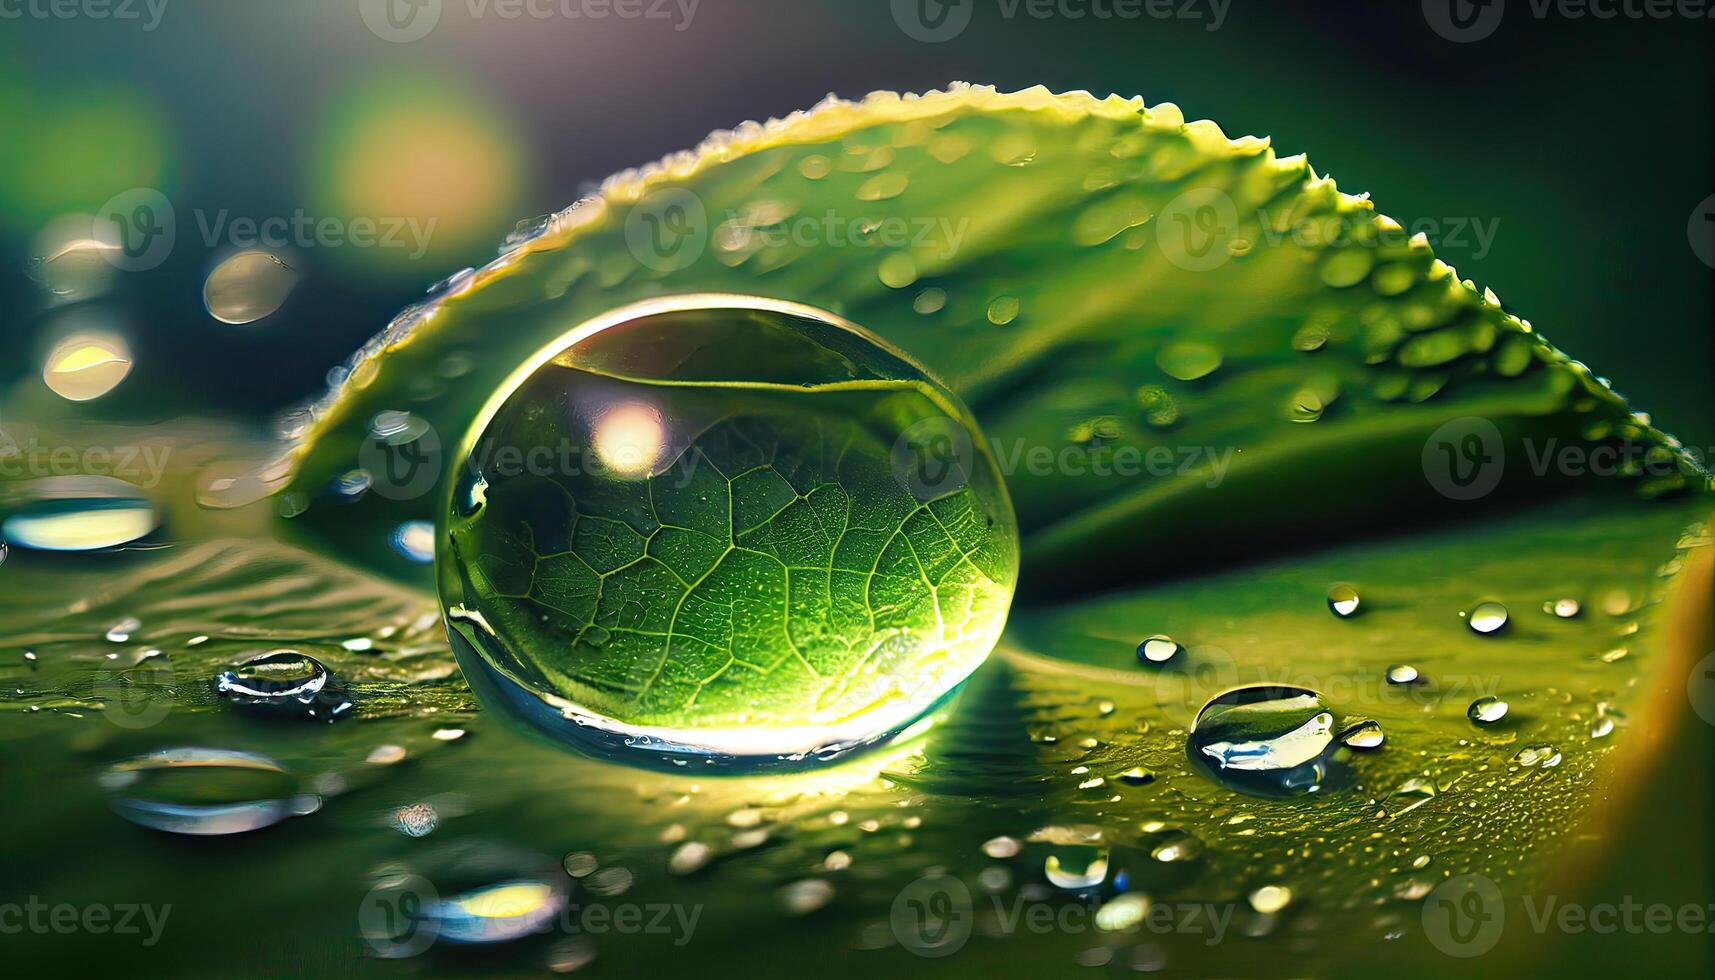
(205, 792)
(1265, 740)
(1487, 618)
(683, 449)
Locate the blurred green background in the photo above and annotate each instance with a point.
(1559, 161)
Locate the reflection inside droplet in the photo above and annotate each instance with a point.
(630, 439)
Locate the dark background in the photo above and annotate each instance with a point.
(1588, 141)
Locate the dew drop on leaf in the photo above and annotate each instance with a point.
(1487, 710)
(1159, 650)
(725, 528)
(1343, 601)
(1266, 740)
(1487, 618)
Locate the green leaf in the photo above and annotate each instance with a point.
(1154, 324)
(1081, 310)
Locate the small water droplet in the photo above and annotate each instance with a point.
(804, 897)
(1075, 868)
(1124, 912)
(121, 631)
(1487, 618)
(1534, 756)
(581, 864)
(1265, 739)
(1403, 674)
(610, 881)
(1270, 899)
(1176, 845)
(1563, 608)
(1487, 710)
(1136, 776)
(1003, 310)
(689, 858)
(415, 541)
(1363, 735)
(1158, 650)
(1000, 848)
(1188, 360)
(1343, 601)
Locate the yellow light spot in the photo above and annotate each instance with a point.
(87, 365)
(630, 439)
